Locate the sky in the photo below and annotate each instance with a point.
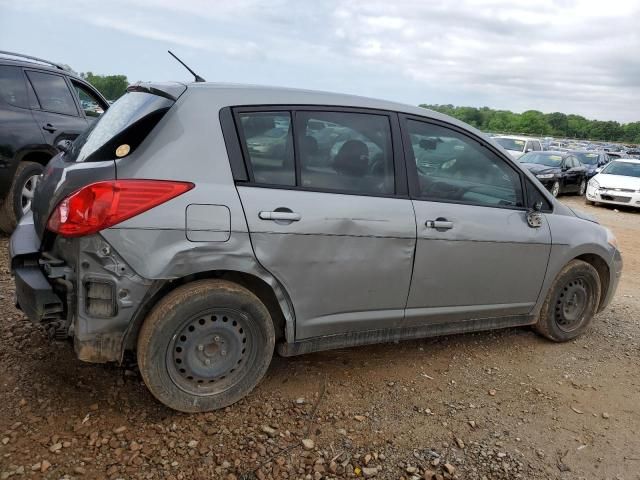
(572, 56)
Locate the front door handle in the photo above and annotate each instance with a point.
(439, 224)
(286, 216)
(49, 128)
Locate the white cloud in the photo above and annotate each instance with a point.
(577, 56)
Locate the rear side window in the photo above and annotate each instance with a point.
(536, 146)
(321, 150)
(53, 93)
(347, 152)
(121, 129)
(268, 145)
(13, 87)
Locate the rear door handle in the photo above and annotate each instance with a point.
(49, 128)
(439, 224)
(286, 216)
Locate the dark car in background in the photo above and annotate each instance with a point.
(41, 104)
(559, 172)
(592, 161)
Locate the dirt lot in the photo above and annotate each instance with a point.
(496, 405)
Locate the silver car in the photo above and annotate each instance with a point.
(202, 226)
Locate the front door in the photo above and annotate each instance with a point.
(57, 115)
(327, 220)
(476, 255)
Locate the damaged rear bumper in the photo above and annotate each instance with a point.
(78, 288)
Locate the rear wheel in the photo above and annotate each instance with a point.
(571, 303)
(20, 196)
(205, 345)
(555, 188)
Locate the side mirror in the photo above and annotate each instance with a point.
(534, 217)
(528, 150)
(64, 145)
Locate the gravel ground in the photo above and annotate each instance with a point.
(499, 405)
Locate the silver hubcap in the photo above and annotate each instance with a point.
(26, 196)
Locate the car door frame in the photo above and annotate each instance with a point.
(242, 172)
(79, 113)
(527, 195)
(411, 169)
(241, 168)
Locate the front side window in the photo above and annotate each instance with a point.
(268, 143)
(452, 167)
(53, 93)
(536, 146)
(91, 106)
(12, 87)
(348, 152)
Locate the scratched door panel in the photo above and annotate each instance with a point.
(346, 263)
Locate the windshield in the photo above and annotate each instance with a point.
(547, 159)
(511, 143)
(626, 169)
(588, 158)
(133, 108)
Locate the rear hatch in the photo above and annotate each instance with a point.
(91, 158)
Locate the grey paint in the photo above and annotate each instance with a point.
(477, 266)
(343, 270)
(346, 264)
(208, 223)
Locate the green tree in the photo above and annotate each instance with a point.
(534, 122)
(111, 86)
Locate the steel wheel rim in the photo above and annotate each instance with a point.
(209, 352)
(27, 192)
(555, 189)
(571, 305)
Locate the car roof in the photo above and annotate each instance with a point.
(39, 65)
(562, 153)
(626, 160)
(517, 137)
(250, 95)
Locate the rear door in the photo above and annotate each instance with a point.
(476, 255)
(57, 113)
(328, 213)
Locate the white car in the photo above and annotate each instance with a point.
(518, 146)
(617, 183)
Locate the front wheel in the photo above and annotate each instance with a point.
(555, 188)
(583, 188)
(571, 303)
(205, 345)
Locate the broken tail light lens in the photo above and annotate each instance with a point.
(101, 205)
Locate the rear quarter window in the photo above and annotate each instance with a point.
(126, 123)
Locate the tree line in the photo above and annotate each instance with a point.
(533, 122)
(111, 86)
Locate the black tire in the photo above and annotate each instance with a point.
(555, 189)
(205, 345)
(571, 303)
(582, 189)
(11, 209)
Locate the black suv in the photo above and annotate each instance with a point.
(41, 105)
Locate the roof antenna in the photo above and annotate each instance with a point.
(197, 77)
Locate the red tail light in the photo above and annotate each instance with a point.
(103, 204)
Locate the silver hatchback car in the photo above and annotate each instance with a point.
(202, 226)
